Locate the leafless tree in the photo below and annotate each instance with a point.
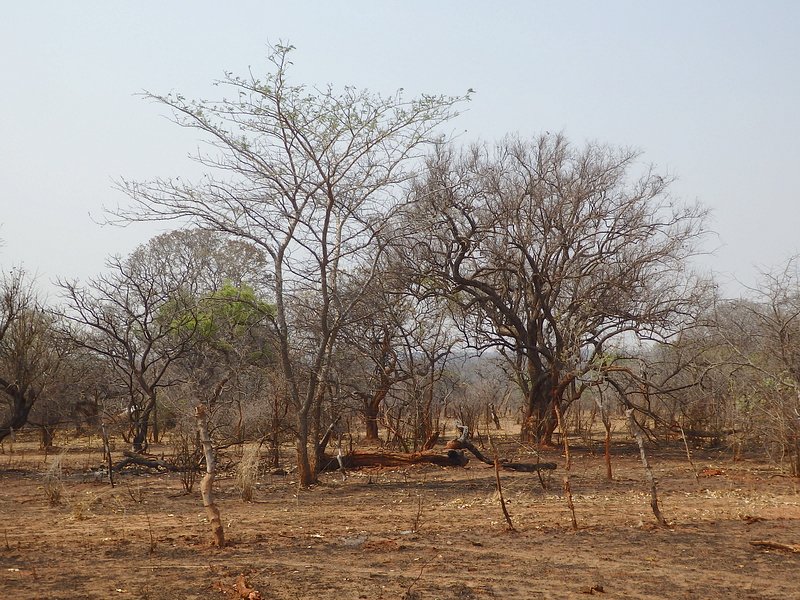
(30, 351)
(370, 359)
(135, 317)
(558, 257)
(308, 176)
(762, 334)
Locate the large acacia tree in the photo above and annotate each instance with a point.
(308, 175)
(558, 256)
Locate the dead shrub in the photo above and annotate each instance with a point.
(54, 481)
(247, 472)
(186, 458)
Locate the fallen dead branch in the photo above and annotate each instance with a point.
(244, 590)
(453, 457)
(463, 443)
(360, 459)
(794, 548)
(150, 462)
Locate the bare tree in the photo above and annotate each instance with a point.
(762, 334)
(135, 318)
(370, 361)
(30, 352)
(557, 256)
(309, 176)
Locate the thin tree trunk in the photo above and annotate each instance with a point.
(496, 462)
(107, 453)
(371, 422)
(206, 485)
(639, 435)
(607, 426)
(156, 430)
(567, 469)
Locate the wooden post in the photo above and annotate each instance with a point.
(212, 512)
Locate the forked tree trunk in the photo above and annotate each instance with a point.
(206, 485)
(539, 420)
(141, 425)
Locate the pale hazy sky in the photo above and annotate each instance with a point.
(709, 91)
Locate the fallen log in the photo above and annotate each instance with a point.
(464, 444)
(776, 546)
(360, 459)
(702, 434)
(131, 458)
(528, 467)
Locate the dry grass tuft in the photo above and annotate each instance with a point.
(54, 480)
(247, 472)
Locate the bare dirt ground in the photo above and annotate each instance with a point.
(421, 532)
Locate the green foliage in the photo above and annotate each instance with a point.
(225, 313)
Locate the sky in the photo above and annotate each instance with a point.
(709, 92)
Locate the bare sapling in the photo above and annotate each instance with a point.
(206, 485)
(509, 524)
(637, 433)
(605, 418)
(107, 453)
(415, 524)
(567, 468)
(689, 454)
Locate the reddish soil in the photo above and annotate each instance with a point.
(421, 532)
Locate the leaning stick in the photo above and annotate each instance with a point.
(636, 430)
(509, 524)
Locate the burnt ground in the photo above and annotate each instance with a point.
(421, 532)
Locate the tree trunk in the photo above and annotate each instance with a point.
(21, 406)
(305, 474)
(275, 436)
(206, 485)
(141, 424)
(371, 419)
(156, 430)
(539, 419)
(636, 431)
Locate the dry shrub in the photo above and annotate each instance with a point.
(247, 472)
(186, 457)
(54, 480)
(81, 504)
